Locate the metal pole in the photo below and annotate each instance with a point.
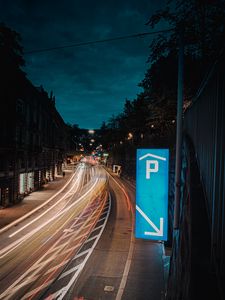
(179, 131)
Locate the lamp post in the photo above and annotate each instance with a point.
(179, 130)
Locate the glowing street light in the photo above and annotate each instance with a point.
(130, 136)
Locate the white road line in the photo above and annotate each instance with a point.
(41, 264)
(105, 209)
(18, 287)
(46, 211)
(36, 209)
(38, 265)
(91, 239)
(102, 219)
(129, 257)
(41, 287)
(97, 228)
(69, 271)
(57, 266)
(64, 290)
(126, 270)
(88, 224)
(5, 251)
(81, 254)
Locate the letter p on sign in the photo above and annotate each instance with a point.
(152, 166)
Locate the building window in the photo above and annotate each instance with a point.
(20, 107)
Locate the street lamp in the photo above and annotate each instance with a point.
(91, 131)
(130, 136)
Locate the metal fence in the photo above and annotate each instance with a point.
(204, 122)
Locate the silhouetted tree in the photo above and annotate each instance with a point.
(203, 26)
(152, 115)
(202, 23)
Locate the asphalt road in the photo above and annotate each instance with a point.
(81, 246)
(122, 267)
(104, 276)
(34, 255)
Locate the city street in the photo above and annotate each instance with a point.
(33, 255)
(112, 138)
(81, 244)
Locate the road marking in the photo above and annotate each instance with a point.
(18, 287)
(109, 288)
(35, 291)
(57, 266)
(62, 292)
(36, 209)
(102, 219)
(91, 239)
(97, 228)
(40, 263)
(50, 208)
(131, 248)
(129, 206)
(5, 251)
(54, 269)
(57, 248)
(69, 271)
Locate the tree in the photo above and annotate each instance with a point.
(203, 26)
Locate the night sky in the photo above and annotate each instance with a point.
(90, 83)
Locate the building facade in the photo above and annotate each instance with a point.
(33, 140)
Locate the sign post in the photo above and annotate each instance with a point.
(152, 194)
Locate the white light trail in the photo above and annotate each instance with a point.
(5, 251)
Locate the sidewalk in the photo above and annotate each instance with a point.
(12, 214)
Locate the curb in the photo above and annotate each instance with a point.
(5, 228)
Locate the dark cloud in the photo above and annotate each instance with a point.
(90, 82)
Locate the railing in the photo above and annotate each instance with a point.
(204, 123)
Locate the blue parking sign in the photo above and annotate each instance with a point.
(152, 194)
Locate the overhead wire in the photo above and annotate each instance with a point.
(137, 35)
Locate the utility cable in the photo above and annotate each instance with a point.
(98, 41)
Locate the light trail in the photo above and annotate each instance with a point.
(62, 293)
(18, 242)
(36, 209)
(5, 251)
(73, 236)
(50, 208)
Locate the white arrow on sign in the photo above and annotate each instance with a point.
(158, 232)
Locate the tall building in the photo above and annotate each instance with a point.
(33, 140)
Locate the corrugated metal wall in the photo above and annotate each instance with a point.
(204, 123)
